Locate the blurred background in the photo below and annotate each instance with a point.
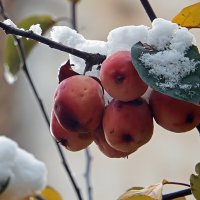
(168, 155)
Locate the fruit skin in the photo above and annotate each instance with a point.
(119, 77)
(105, 148)
(79, 103)
(73, 141)
(173, 114)
(128, 125)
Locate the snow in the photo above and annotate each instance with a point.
(170, 65)
(123, 38)
(10, 23)
(36, 29)
(66, 36)
(170, 39)
(27, 174)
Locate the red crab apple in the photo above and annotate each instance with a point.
(105, 148)
(119, 77)
(73, 141)
(173, 114)
(128, 125)
(79, 103)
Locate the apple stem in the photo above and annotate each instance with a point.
(165, 182)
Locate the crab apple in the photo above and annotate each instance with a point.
(79, 103)
(173, 114)
(72, 141)
(105, 148)
(128, 125)
(120, 78)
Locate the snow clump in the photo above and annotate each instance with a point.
(36, 29)
(171, 40)
(26, 174)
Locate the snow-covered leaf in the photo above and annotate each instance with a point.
(195, 182)
(189, 16)
(152, 192)
(12, 62)
(169, 71)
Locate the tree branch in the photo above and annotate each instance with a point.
(177, 194)
(90, 58)
(148, 9)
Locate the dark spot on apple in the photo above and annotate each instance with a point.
(119, 79)
(127, 137)
(72, 124)
(137, 102)
(112, 131)
(190, 118)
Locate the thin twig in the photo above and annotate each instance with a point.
(41, 105)
(90, 58)
(73, 15)
(181, 193)
(88, 173)
(148, 9)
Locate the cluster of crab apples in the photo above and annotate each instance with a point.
(80, 115)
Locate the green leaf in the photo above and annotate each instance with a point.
(195, 182)
(12, 62)
(4, 185)
(188, 88)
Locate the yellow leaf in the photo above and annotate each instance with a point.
(152, 192)
(48, 193)
(189, 17)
